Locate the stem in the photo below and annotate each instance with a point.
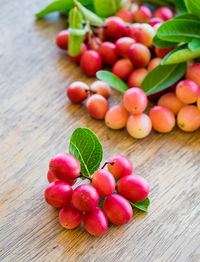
(91, 92)
(108, 163)
(81, 175)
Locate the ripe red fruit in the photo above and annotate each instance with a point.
(95, 222)
(94, 43)
(70, 217)
(187, 91)
(139, 55)
(97, 106)
(77, 58)
(137, 77)
(154, 63)
(142, 15)
(77, 92)
(104, 182)
(108, 53)
(135, 188)
(51, 178)
(65, 167)
(188, 118)
(122, 68)
(58, 194)
(193, 73)
(171, 101)
(101, 88)
(115, 27)
(126, 15)
(122, 166)
(116, 117)
(135, 100)
(162, 52)
(164, 13)
(62, 39)
(118, 210)
(198, 103)
(91, 62)
(123, 44)
(155, 20)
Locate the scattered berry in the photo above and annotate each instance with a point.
(137, 77)
(116, 117)
(170, 101)
(115, 27)
(108, 53)
(188, 118)
(164, 13)
(97, 106)
(101, 88)
(123, 44)
(77, 92)
(121, 166)
(62, 39)
(139, 54)
(187, 91)
(90, 62)
(122, 68)
(142, 15)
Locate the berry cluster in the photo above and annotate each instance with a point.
(117, 186)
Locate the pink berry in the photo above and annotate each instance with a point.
(193, 73)
(94, 43)
(101, 88)
(123, 44)
(104, 182)
(97, 106)
(122, 68)
(95, 222)
(65, 167)
(62, 39)
(188, 118)
(126, 15)
(90, 62)
(108, 53)
(162, 119)
(77, 92)
(142, 15)
(139, 55)
(118, 210)
(162, 52)
(137, 77)
(115, 27)
(164, 13)
(122, 166)
(116, 117)
(170, 101)
(156, 26)
(51, 178)
(135, 100)
(77, 58)
(58, 194)
(135, 188)
(155, 20)
(139, 126)
(85, 198)
(198, 102)
(154, 63)
(187, 91)
(70, 217)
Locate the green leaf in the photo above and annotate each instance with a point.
(181, 6)
(85, 146)
(195, 44)
(161, 43)
(112, 80)
(162, 77)
(89, 15)
(179, 30)
(185, 16)
(193, 7)
(142, 205)
(105, 8)
(167, 3)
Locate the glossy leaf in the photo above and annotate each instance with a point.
(195, 44)
(185, 16)
(181, 6)
(85, 146)
(105, 8)
(162, 77)
(193, 7)
(112, 80)
(161, 43)
(142, 205)
(159, 3)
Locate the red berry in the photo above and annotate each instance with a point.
(101, 88)
(122, 68)
(104, 182)
(118, 210)
(77, 58)
(65, 167)
(97, 106)
(62, 39)
(154, 63)
(187, 91)
(115, 27)
(171, 101)
(58, 194)
(108, 53)
(139, 55)
(122, 166)
(77, 92)
(126, 15)
(85, 198)
(193, 73)
(137, 77)
(155, 20)
(94, 43)
(162, 52)
(70, 217)
(90, 62)
(95, 222)
(164, 13)
(142, 15)
(188, 118)
(123, 44)
(116, 117)
(51, 178)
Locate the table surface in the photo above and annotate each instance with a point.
(36, 124)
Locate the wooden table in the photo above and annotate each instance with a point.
(36, 123)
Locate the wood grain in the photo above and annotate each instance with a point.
(36, 123)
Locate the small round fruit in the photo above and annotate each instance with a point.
(70, 217)
(154, 63)
(162, 119)
(65, 167)
(122, 68)
(94, 43)
(97, 106)
(187, 91)
(142, 15)
(118, 210)
(108, 53)
(85, 198)
(58, 194)
(135, 100)
(137, 77)
(77, 92)
(139, 126)
(123, 44)
(164, 13)
(122, 166)
(51, 178)
(188, 118)
(139, 54)
(116, 117)
(115, 27)
(193, 73)
(135, 188)
(95, 222)
(77, 58)
(62, 39)
(155, 20)
(162, 52)
(101, 88)
(104, 182)
(90, 62)
(126, 15)
(198, 102)
(170, 101)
